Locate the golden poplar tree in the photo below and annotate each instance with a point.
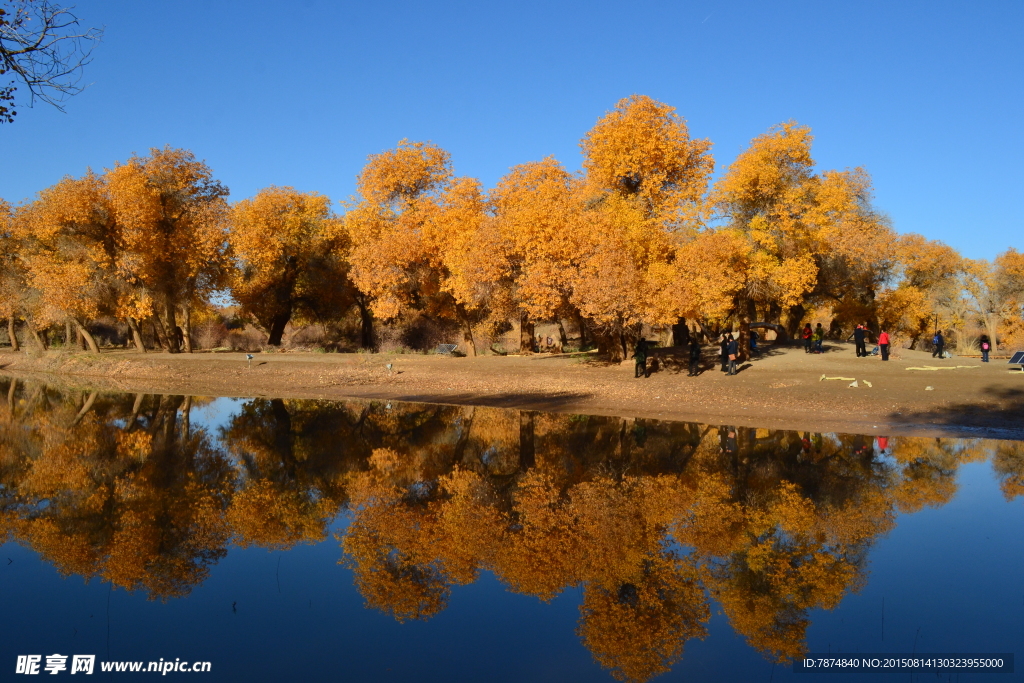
(644, 182)
(68, 245)
(536, 206)
(421, 240)
(172, 228)
(810, 234)
(288, 247)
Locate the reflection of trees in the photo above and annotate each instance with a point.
(647, 519)
(113, 487)
(1008, 463)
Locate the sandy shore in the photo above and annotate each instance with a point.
(782, 389)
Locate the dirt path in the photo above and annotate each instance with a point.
(780, 390)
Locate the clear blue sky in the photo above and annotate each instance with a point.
(926, 95)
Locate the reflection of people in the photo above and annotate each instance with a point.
(694, 356)
(640, 355)
(986, 346)
(883, 344)
(728, 437)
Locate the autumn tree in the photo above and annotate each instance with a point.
(536, 206)
(644, 181)
(421, 240)
(172, 229)
(927, 274)
(288, 248)
(995, 291)
(69, 249)
(12, 276)
(812, 236)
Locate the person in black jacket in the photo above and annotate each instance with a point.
(858, 340)
(732, 350)
(724, 344)
(694, 357)
(640, 354)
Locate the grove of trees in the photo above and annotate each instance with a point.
(642, 237)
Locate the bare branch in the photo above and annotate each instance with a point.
(42, 47)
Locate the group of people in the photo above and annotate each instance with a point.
(939, 346)
(813, 339)
(729, 346)
(860, 338)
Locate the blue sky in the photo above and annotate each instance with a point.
(926, 95)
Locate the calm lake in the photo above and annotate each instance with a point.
(291, 540)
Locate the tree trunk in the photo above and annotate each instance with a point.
(85, 408)
(186, 411)
(87, 336)
(13, 333)
(525, 333)
(160, 333)
(186, 322)
(527, 451)
(467, 329)
(794, 316)
(581, 325)
(10, 395)
(680, 333)
(69, 334)
(133, 324)
(277, 325)
(366, 335)
(136, 409)
(613, 344)
(749, 311)
(563, 339)
(170, 324)
(35, 335)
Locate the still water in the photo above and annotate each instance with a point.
(288, 540)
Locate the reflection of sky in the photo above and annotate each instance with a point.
(215, 413)
(950, 578)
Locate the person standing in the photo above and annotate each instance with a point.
(733, 349)
(753, 343)
(807, 334)
(883, 344)
(819, 335)
(940, 344)
(640, 355)
(858, 340)
(694, 356)
(724, 344)
(986, 346)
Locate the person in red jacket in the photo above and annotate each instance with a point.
(806, 334)
(883, 344)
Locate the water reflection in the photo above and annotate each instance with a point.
(652, 521)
